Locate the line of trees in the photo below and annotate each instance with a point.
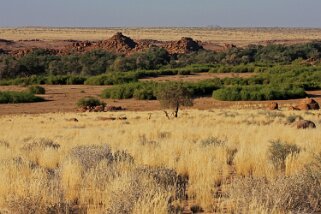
(42, 62)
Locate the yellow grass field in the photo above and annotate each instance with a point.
(223, 158)
(238, 36)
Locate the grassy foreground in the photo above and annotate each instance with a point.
(231, 161)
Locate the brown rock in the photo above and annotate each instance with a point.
(82, 109)
(229, 46)
(311, 103)
(119, 44)
(98, 108)
(113, 108)
(293, 108)
(304, 124)
(274, 106)
(2, 51)
(303, 107)
(184, 45)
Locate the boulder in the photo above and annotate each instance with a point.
(293, 108)
(303, 107)
(305, 124)
(119, 44)
(273, 106)
(184, 45)
(2, 51)
(113, 108)
(98, 108)
(311, 103)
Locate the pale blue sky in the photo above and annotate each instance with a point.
(139, 13)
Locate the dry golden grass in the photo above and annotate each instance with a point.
(44, 166)
(238, 36)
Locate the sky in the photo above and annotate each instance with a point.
(160, 13)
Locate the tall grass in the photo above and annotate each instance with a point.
(154, 165)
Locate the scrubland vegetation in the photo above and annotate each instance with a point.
(281, 72)
(18, 97)
(36, 89)
(217, 161)
(223, 161)
(43, 62)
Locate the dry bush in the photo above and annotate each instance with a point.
(279, 151)
(31, 189)
(145, 141)
(40, 144)
(292, 118)
(89, 156)
(43, 152)
(299, 193)
(4, 144)
(122, 156)
(111, 183)
(122, 188)
(213, 141)
(137, 194)
(133, 175)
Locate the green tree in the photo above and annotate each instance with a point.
(173, 96)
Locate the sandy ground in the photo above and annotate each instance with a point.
(64, 99)
(238, 36)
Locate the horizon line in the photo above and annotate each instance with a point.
(164, 27)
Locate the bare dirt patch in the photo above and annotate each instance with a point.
(64, 99)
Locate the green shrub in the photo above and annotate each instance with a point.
(18, 97)
(184, 72)
(144, 94)
(140, 90)
(148, 90)
(173, 95)
(75, 80)
(112, 79)
(234, 69)
(258, 92)
(204, 87)
(36, 89)
(50, 80)
(125, 91)
(89, 102)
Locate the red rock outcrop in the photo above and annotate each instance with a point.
(185, 45)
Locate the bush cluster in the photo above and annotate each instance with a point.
(36, 89)
(140, 90)
(44, 62)
(89, 102)
(258, 92)
(242, 68)
(18, 97)
(149, 90)
(49, 80)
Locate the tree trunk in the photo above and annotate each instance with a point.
(166, 114)
(176, 110)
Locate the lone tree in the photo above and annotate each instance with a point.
(173, 96)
